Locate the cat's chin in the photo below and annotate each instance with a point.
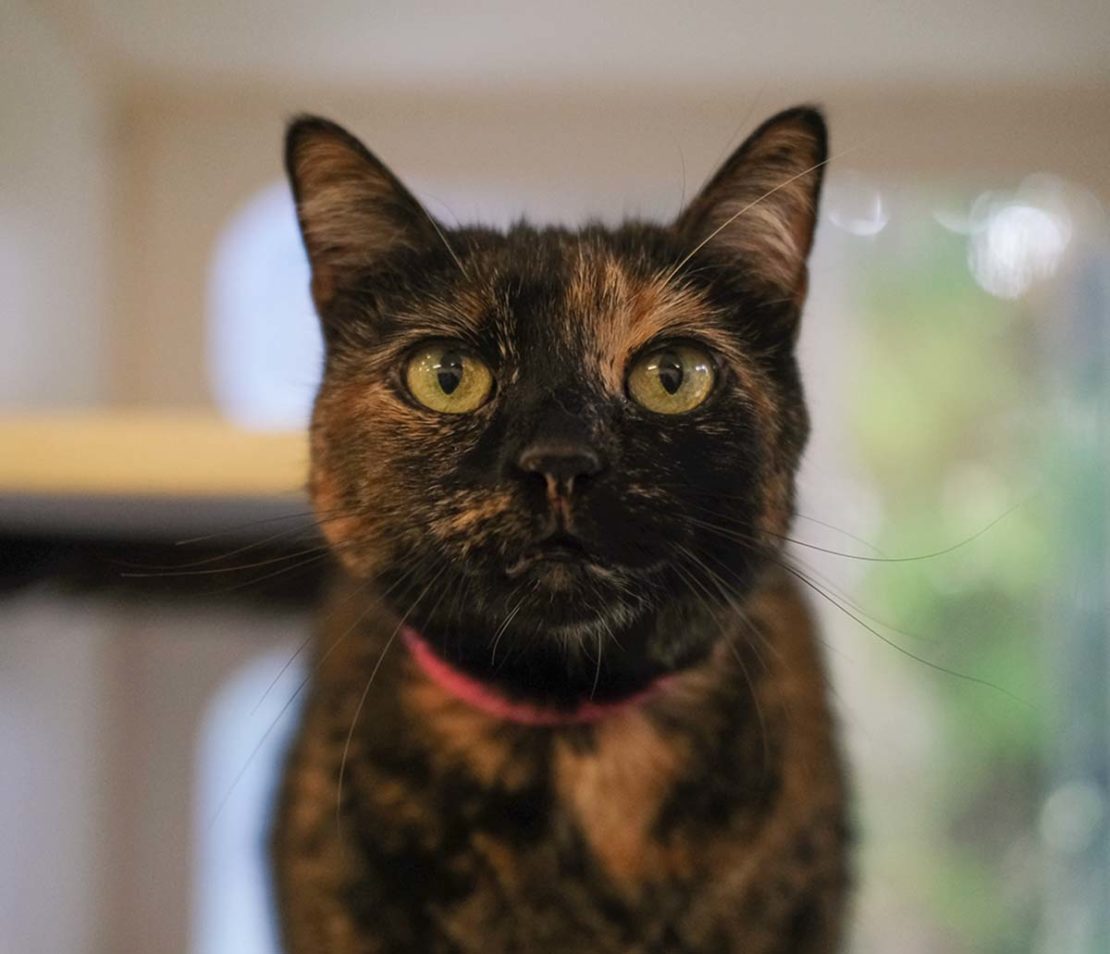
(562, 609)
(573, 600)
(567, 579)
(590, 624)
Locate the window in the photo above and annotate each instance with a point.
(265, 352)
(242, 743)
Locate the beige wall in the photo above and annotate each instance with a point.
(55, 740)
(193, 156)
(54, 215)
(54, 239)
(114, 186)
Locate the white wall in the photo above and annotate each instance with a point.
(54, 215)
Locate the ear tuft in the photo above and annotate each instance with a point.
(352, 210)
(759, 211)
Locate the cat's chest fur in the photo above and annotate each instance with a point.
(708, 819)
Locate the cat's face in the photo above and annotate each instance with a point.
(547, 435)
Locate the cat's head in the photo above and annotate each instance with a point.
(560, 437)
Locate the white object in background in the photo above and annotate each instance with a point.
(265, 355)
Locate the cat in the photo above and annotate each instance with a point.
(567, 698)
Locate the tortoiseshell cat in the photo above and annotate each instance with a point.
(567, 699)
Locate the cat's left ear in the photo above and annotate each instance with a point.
(759, 211)
(353, 212)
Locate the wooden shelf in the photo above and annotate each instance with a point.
(147, 453)
(147, 475)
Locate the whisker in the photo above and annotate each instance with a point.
(881, 557)
(783, 562)
(597, 668)
(905, 652)
(747, 208)
(355, 591)
(851, 536)
(443, 238)
(238, 568)
(366, 692)
(245, 548)
(254, 581)
(248, 525)
(690, 578)
(308, 527)
(314, 521)
(281, 712)
(848, 600)
(505, 625)
(743, 537)
(688, 492)
(722, 586)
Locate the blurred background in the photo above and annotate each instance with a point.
(158, 355)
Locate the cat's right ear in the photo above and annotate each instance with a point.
(759, 211)
(353, 212)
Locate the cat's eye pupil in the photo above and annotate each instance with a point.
(448, 379)
(670, 372)
(449, 372)
(672, 379)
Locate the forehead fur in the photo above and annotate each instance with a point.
(557, 302)
(618, 311)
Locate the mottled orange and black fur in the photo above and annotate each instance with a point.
(709, 817)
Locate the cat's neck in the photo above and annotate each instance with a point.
(542, 678)
(489, 698)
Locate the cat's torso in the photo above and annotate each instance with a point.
(710, 818)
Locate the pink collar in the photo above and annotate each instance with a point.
(488, 700)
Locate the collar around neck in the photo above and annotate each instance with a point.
(492, 702)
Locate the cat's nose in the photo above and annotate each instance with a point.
(560, 463)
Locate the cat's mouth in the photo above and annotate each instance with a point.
(557, 553)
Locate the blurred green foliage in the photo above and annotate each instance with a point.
(944, 409)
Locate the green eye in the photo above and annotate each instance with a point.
(673, 379)
(448, 378)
